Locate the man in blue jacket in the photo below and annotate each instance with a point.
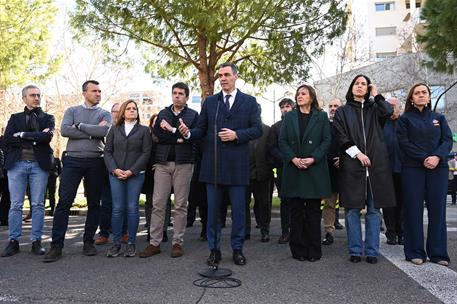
(29, 160)
(227, 122)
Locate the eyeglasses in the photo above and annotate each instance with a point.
(35, 95)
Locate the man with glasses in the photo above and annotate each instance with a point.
(28, 162)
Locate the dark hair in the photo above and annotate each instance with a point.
(121, 118)
(229, 64)
(86, 83)
(350, 96)
(151, 121)
(312, 93)
(409, 98)
(286, 101)
(183, 86)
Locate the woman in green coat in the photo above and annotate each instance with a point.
(304, 140)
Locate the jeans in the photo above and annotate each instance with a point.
(93, 171)
(126, 194)
(372, 229)
(106, 209)
(23, 171)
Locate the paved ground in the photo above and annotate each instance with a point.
(271, 275)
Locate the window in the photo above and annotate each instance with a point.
(418, 3)
(386, 6)
(386, 31)
(382, 56)
(437, 90)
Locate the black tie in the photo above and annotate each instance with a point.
(227, 102)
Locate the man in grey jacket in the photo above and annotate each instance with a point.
(85, 126)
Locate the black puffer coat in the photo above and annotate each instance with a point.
(361, 125)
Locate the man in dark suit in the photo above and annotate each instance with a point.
(285, 105)
(227, 122)
(28, 161)
(260, 183)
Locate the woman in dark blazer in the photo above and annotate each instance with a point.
(425, 141)
(304, 140)
(365, 176)
(127, 153)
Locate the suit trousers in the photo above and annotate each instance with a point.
(166, 176)
(393, 216)
(419, 185)
(261, 190)
(305, 228)
(238, 201)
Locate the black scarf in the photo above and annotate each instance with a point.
(31, 119)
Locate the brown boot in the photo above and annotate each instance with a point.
(176, 251)
(149, 251)
(102, 240)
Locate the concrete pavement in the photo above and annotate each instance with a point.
(270, 276)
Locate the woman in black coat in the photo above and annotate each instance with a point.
(365, 177)
(425, 141)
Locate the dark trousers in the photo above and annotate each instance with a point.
(284, 208)
(393, 216)
(305, 228)
(5, 200)
(51, 191)
(419, 185)
(237, 198)
(197, 198)
(261, 190)
(93, 171)
(453, 187)
(224, 205)
(106, 209)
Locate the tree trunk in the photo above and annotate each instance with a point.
(206, 68)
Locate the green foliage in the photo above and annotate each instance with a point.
(270, 40)
(440, 38)
(25, 31)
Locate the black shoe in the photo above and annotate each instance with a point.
(338, 226)
(89, 248)
(328, 240)
(391, 240)
(313, 259)
(371, 259)
(165, 237)
(265, 237)
(238, 258)
(355, 259)
(283, 239)
(53, 254)
(214, 257)
(37, 248)
(247, 237)
(400, 240)
(11, 249)
(300, 258)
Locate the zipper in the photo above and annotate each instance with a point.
(367, 175)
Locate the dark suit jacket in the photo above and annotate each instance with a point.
(130, 152)
(261, 162)
(232, 158)
(39, 140)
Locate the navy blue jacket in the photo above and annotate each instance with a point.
(423, 134)
(39, 140)
(390, 137)
(232, 157)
